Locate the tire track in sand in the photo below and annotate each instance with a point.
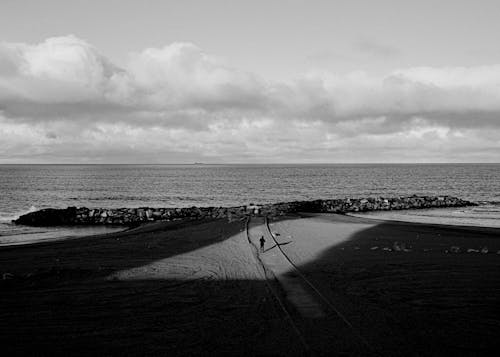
(322, 297)
(271, 280)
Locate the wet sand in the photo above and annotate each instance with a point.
(199, 288)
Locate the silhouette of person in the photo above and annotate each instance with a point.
(262, 241)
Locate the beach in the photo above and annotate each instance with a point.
(324, 284)
(249, 178)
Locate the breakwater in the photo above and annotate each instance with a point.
(135, 216)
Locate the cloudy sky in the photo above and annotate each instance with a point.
(249, 81)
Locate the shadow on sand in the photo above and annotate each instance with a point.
(414, 303)
(423, 300)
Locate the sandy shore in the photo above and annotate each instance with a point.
(385, 288)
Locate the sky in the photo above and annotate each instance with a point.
(289, 81)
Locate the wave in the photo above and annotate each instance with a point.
(485, 203)
(8, 229)
(484, 210)
(487, 207)
(142, 200)
(7, 217)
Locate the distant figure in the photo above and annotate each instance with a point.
(262, 241)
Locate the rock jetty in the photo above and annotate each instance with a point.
(135, 216)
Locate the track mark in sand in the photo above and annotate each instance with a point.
(319, 294)
(297, 293)
(268, 275)
(226, 259)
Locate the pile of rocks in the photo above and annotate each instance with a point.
(123, 216)
(134, 216)
(347, 205)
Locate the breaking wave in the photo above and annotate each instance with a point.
(7, 217)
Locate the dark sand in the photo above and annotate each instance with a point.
(196, 288)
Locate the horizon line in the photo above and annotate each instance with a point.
(262, 163)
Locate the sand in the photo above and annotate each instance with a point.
(339, 284)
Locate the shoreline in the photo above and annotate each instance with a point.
(380, 221)
(362, 216)
(57, 233)
(371, 208)
(410, 216)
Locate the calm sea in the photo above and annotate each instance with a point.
(25, 188)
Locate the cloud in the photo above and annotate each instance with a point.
(181, 75)
(61, 69)
(63, 100)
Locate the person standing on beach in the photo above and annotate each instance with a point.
(262, 241)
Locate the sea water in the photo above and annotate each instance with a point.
(25, 188)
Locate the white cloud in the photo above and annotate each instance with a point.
(61, 69)
(181, 75)
(61, 100)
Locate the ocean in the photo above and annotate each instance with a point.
(25, 188)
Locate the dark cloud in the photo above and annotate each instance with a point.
(178, 100)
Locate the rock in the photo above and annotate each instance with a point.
(129, 216)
